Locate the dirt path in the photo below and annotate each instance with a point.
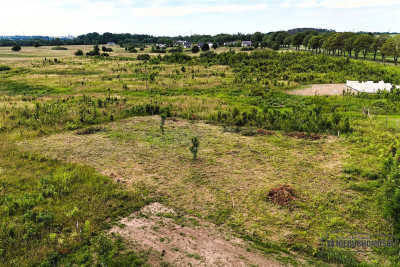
(321, 89)
(200, 245)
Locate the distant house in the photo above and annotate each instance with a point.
(110, 43)
(161, 45)
(230, 43)
(246, 43)
(187, 44)
(179, 42)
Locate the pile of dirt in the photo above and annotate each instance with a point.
(264, 132)
(311, 136)
(282, 195)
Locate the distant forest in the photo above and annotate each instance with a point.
(127, 38)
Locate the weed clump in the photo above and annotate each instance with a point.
(195, 147)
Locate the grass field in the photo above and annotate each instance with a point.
(81, 148)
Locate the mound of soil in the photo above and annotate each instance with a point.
(264, 132)
(312, 136)
(282, 195)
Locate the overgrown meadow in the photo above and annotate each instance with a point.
(342, 161)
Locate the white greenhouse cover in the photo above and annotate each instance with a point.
(370, 87)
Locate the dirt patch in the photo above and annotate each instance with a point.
(321, 89)
(282, 195)
(201, 245)
(300, 135)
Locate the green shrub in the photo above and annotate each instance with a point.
(79, 52)
(59, 48)
(143, 57)
(195, 147)
(4, 68)
(16, 48)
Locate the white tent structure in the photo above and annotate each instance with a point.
(370, 87)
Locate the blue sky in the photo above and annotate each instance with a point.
(171, 18)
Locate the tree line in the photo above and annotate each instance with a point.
(357, 45)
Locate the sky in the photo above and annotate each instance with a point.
(186, 17)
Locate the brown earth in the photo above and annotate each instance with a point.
(201, 245)
(321, 89)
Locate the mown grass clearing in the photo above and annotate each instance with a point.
(229, 182)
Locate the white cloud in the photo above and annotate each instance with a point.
(346, 4)
(169, 11)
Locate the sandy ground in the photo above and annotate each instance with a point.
(200, 245)
(321, 89)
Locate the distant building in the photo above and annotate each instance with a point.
(187, 44)
(161, 45)
(247, 43)
(230, 43)
(110, 43)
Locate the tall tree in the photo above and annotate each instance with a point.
(363, 44)
(298, 40)
(392, 48)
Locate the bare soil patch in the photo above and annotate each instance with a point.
(201, 245)
(282, 195)
(321, 89)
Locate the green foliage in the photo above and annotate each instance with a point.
(59, 48)
(195, 147)
(205, 47)
(162, 123)
(248, 48)
(94, 52)
(143, 57)
(79, 52)
(195, 49)
(4, 68)
(16, 48)
(389, 193)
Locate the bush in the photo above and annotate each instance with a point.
(143, 57)
(131, 49)
(16, 48)
(195, 49)
(195, 147)
(248, 48)
(208, 54)
(79, 53)
(4, 68)
(59, 48)
(275, 46)
(205, 47)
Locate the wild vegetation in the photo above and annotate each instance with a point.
(227, 109)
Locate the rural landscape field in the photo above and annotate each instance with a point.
(87, 141)
(164, 148)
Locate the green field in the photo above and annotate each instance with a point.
(81, 147)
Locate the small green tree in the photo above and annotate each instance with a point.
(195, 147)
(195, 49)
(16, 48)
(162, 123)
(96, 50)
(79, 52)
(215, 45)
(205, 47)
